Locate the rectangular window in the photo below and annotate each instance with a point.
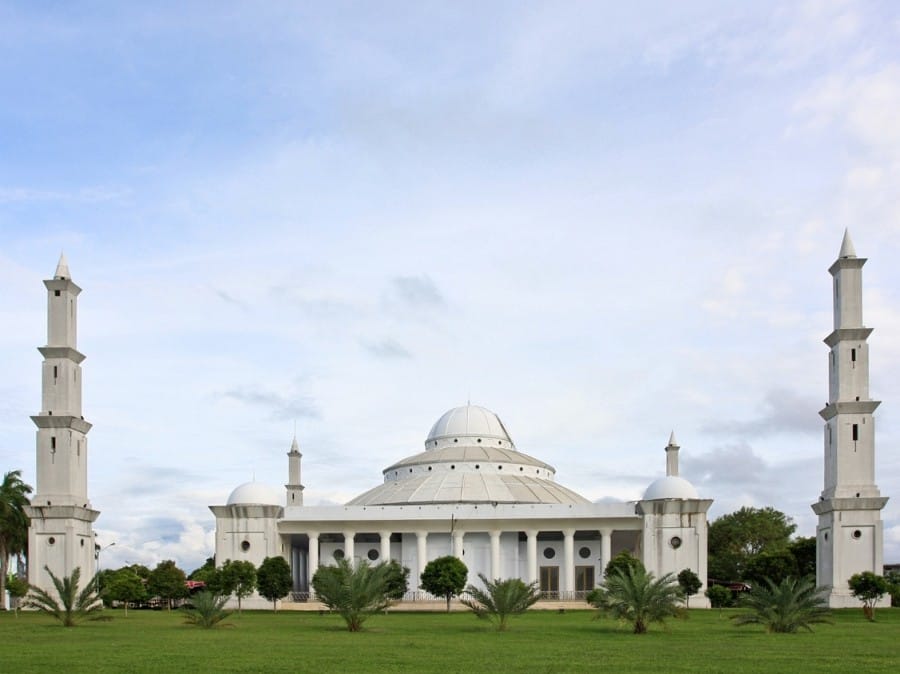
(853, 355)
(53, 442)
(56, 293)
(550, 582)
(584, 578)
(55, 372)
(855, 432)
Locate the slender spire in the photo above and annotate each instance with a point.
(672, 456)
(295, 446)
(672, 441)
(847, 249)
(62, 268)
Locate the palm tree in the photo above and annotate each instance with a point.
(208, 610)
(73, 605)
(785, 607)
(636, 597)
(354, 593)
(500, 599)
(13, 521)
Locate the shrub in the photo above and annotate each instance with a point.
(501, 599)
(785, 607)
(207, 610)
(444, 577)
(636, 597)
(354, 593)
(719, 596)
(73, 604)
(868, 588)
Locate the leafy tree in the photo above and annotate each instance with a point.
(167, 582)
(354, 592)
(140, 570)
(893, 579)
(636, 597)
(868, 588)
(13, 522)
(690, 584)
(501, 599)
(785, 607)
(72, 605)
(804, 550)
(125, 586)
(207, 610)
(397, 580)
(738, 536)
(238, 578)
(719, 596)
(274, 579)
(201, 572)
(776, 565)
(17, 588)
(444, 577)
(621, 562)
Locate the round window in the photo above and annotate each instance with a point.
(373, 554)
(584, 553)
(245, 545)
(338, 554)
(549, 553)
(675, 542)
(857, 533)
(51, 540)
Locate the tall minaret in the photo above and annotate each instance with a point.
(61, 535)
(672, 456)
(294, 488)
(849, 535)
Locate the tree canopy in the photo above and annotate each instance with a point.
(444, 577)
(13, 522)
(238, 578)
(868, 587)
(622, 562)
(125, 586)
(737, 537)
(167, 582)
(690, 584)
(274, 579)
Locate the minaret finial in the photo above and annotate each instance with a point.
(847, 249)
(672, 456)
(672, 441)
(62, 268)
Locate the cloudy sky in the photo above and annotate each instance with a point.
(602, 220)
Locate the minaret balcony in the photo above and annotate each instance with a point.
(832, 409)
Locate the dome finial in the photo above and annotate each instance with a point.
(847, 249)
(62, 268)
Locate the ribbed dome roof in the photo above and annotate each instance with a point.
(670, 487)
(255, 493)
(469, 421)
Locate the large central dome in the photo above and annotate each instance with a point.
(468, 458)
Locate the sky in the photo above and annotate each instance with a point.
(603, 221)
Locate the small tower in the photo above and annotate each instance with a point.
(672, 456)
(61, 535)
(849, 536)
(294, 488)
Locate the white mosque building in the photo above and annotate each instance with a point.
(471, 493)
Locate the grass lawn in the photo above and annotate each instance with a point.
(706, 641)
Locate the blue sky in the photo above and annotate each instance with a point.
(602, 222)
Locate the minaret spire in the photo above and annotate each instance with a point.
(672, 456)
(62, 268)
(294, 487)
(849, 534)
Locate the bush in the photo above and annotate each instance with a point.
(444, 577)
(500, 599)
(784, 607)
(719, 596)
(868, 588)
(636, 597)
(207, 610)
(353, 592)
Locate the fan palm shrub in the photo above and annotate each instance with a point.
(353, 592)
(501, 599)
(72, 604)
(785, 607)
(207, 610)
(635, 596)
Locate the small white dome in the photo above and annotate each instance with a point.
(670, 487)
(469, 421)
(255, 493)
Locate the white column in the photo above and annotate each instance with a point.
(349, 547)
(458, 549)
(531, 555)
(568, 578)
(605, 548)
(385, 546)
(421, 551)
(312, 560)
(495, 555)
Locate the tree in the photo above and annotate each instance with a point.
(207, 610)
(167, 582)
(868, 588)
(690, 584)
(893, 579)
(13, 522)
(636, 597)
(444, 577)
(354, 593)
(72, 604)
(125, 586)
(738, 536)
(274, 579)
(201, 572)
(17, 588)
(804, 550)
(238, 578)
(501, 599)
(719, 596)
(784, 607)
(776, 565)
(397, 579)
(621, 562)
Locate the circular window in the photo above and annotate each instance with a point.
(245, 545)
(373, 554)
(51, 540)
(584, 553)
(675, 542)
(857, 533)
(549, 553)
(410, 470)
(479, 439)
(429, 467)
(338, 554)
(499, 467)
(477, 466)
(455, 439)
(521, 469)
(452, 467)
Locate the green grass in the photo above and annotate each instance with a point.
(706, 641)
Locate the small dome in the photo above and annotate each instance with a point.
(670, 487)
(255, 493)
(469, 422)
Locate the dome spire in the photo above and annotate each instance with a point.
(847, 249)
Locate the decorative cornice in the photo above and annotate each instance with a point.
(836, 504)
(63, 284)
(846, 263)
(66, 352)
(61, 512)
(831, 410)
(61, 421)
(672, 506)
(848, 334)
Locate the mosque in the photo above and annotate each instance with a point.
(471, 493)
